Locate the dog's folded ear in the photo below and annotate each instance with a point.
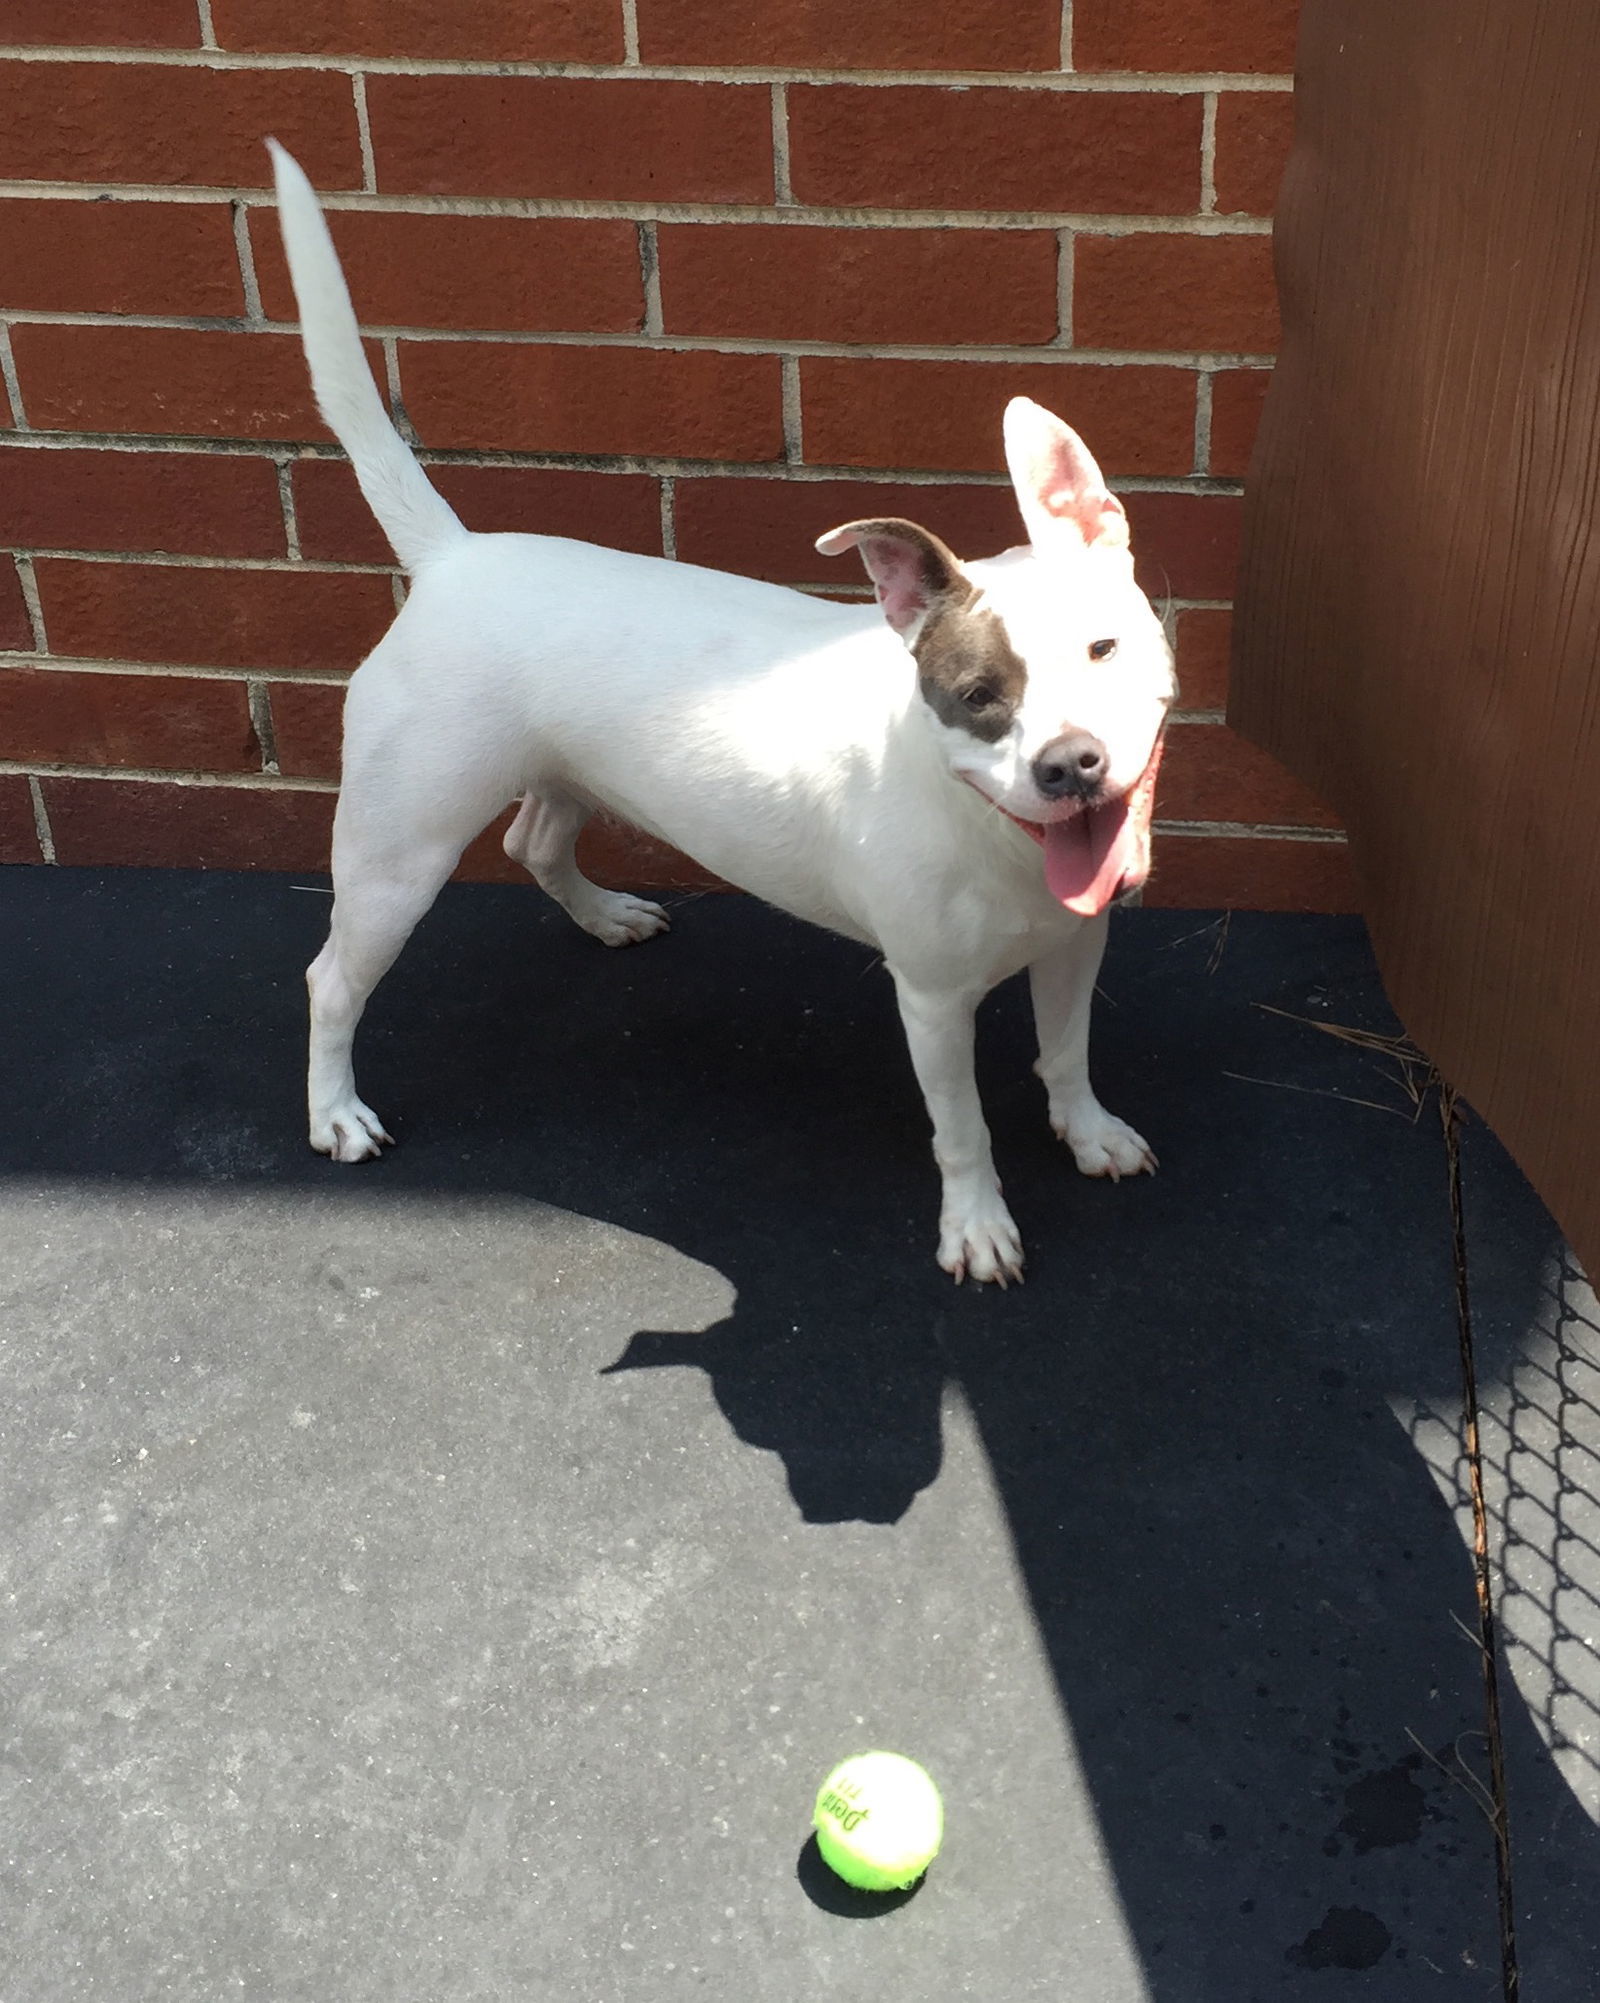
(1057, 482)
(909, 566)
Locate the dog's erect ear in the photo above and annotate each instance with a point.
(909, 566)
(1059, 487)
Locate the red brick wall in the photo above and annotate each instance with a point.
(697, 277)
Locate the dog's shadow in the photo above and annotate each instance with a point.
(1197, 1410)
(1243, 1575)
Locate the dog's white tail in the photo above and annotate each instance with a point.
(417, 520)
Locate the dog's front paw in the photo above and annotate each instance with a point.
(1102, 1144)
(349, 1131)
(977, 1238)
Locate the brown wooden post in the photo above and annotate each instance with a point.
(1418, 633)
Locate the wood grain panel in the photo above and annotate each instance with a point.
(1419, 615)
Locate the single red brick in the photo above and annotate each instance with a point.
(535, 273)
(181, 127)
(307, 724)
(1185, 545)
(1167, 290)
(772, 281)
(1204, 643)
(920, 147)
(1211, 773)
(840, 34)
(510, 31)
(19, 835)
(696, 405)
(16, 629)
(102, 24)
(1250, 873)
(167, 721)
(166, 382)
(188, 503)
(213, 617)
(946, 415)
(146, 823)
(1236, 399)
(620, 510)
(571, 138)
(1248, 36)
(120, 257)
(768, 528)
(1255, 129)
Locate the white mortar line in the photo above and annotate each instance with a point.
(622, 464)
(208, 34)
(161, 559)
(810, 216)
(291, 520)
(1276, 831)
(650, 274)
(41, 820)
(1109, 83)
(391, 372)
(369, 168)
(8, 375)
(1064, 275)
(242, 782)
(1012, 354)
(261, 723)
(630, 33)
(30, 599)
(782, 188)
(1202, 424)
(247, 262)
(1066, 36)
(1208, 155)
(793, 430)
(182, 671)
(669, 518)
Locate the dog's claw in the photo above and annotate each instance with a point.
(979, 1242)
(353, 1133)
(1103, 1145)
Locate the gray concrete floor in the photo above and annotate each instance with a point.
(449, 1579)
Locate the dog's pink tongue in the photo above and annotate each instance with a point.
(1085, 858)
(1092, 859)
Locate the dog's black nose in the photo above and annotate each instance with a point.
(1071, 767)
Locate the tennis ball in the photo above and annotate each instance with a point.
(879, 1821)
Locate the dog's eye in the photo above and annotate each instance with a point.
(979, 696)
(1102, 650)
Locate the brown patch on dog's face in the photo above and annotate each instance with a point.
(971, 676)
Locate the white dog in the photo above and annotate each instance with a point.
(962, 779)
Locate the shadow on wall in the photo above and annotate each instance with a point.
(1250, 1591)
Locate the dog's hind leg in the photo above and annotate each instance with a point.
(544, 838)
(388, 867)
